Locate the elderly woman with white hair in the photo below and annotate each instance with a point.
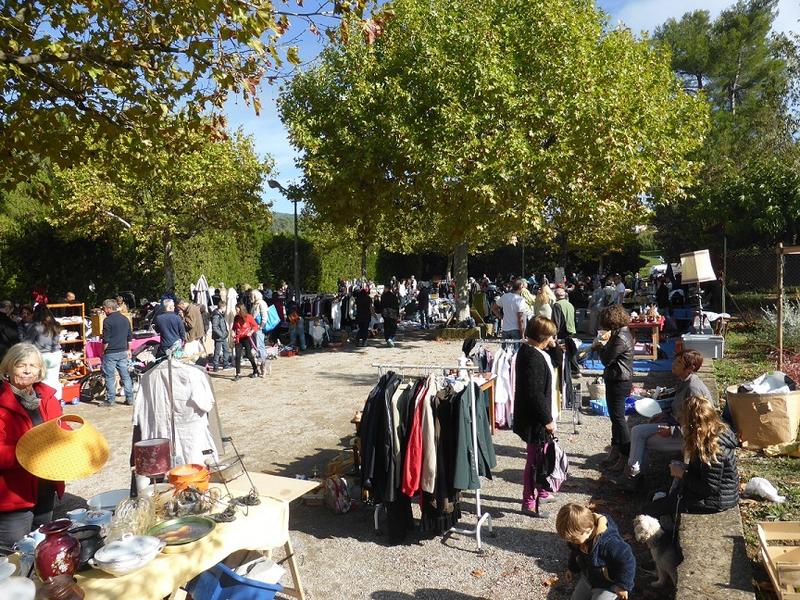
(26, 502)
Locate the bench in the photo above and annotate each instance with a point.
(715, 564)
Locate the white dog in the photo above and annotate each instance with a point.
(648, 530)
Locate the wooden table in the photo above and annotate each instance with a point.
(655, 328)
(263, 528)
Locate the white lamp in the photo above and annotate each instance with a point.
(696, 268)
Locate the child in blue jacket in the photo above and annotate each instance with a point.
(598, 553)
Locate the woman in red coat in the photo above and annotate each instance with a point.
(25, 500)
(244, 327)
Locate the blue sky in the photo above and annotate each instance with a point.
(639, 15)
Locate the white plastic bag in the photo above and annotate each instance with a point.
(758, 487)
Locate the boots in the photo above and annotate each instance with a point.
(620, 465)
(612, 458)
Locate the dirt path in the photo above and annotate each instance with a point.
(299, 418)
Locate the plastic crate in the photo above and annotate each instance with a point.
(710, 346)
(221, 583)
(599, 407)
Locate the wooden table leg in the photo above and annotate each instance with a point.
(655, 342)
(297, 590)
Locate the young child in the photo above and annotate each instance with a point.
(317, 332)
(598, 553)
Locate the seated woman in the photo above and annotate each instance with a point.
(662, 432)
(708, 480)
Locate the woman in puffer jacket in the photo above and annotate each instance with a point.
(708, 479)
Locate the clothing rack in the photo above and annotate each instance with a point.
(484, 519)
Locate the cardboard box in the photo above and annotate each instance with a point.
(781, 557)
(765, 419)
(97, 322)
(710, 346)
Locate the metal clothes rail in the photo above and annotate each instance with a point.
(484, 519)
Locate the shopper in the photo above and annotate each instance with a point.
(219, 334)
(169, 326)
(117, 337)
(364, 309)
(259, 308)
(616, 354)
(424, 305)
(533, 412)
(602, 560)
(511, 308)
(244, 327)
(44, 333)
(390, 311)
(9, 329)
(26, 502)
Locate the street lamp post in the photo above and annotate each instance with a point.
(294, 200)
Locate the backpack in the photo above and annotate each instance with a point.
(553, 472)
(337, 495)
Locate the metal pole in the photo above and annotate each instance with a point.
(780, 306)
(724, 270)
(296, 257)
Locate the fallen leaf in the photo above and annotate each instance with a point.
(550, 581)
(478, 573)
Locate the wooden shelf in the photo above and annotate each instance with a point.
(78, 341)
(76, 346)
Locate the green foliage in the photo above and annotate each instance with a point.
(749, 187)
(214, 188)
(791, 324)
(118, 68)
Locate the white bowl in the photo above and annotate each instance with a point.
(129, 548)
(123, 568)
(108, 500)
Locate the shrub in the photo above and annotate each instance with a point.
(791, 324)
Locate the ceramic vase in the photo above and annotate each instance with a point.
(58, 553)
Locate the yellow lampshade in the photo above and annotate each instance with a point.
(696, 267)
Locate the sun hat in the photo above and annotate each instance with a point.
(63, 449)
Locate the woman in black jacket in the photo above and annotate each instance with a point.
(709, 482)
(616, 354)
(533, 396)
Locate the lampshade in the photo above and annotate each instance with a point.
(63, 449)
(696, 267)
(151, 457)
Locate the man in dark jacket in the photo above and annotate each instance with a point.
(363, 314)
(423, 305)
(169, 326)
(219, 333)
(9, 331)
(117, 337)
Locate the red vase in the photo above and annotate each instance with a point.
(58, 553)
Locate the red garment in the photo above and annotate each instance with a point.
(412, 467)
(18, 488)
(244, 327)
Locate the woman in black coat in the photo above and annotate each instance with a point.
(709, 482)
(533, 396)
(616, 354)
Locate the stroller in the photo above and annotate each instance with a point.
(93, 385)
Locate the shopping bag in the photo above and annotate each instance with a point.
(553, 472)
(273, 320)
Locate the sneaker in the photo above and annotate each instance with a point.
(236, 378)
(216, 369)
(536, 514)
(547, 499)
(611, 458)
(254, 374)
(390, 343)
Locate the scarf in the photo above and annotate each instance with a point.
(29, 400)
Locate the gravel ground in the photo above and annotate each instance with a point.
(299, 418)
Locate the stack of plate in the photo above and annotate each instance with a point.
(130, 553)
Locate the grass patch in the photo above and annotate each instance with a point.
(747, 357)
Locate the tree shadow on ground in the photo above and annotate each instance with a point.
(424, 594)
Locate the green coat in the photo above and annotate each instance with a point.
(464, 476)
(569, 315)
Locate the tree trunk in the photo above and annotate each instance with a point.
(169, 265)
(364, 248)
(460, 267)
(564, 250)
(600, 267)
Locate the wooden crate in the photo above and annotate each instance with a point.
(782, 559)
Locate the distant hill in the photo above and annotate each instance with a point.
(283, 223)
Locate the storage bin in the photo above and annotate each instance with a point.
(599, 407)
(221, 583)
(710, 346)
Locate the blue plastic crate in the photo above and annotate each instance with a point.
(221, 583)
(599, 407)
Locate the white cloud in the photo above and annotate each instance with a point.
(646, 15)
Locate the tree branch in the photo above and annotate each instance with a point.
(118, 218)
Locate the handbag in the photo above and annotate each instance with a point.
(555, 467)
(272, 320)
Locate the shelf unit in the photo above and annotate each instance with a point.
(73, 361)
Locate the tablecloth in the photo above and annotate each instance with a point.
(95, 349)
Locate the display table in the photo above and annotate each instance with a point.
(654, 327)
(95, 349)
(488, 385)
(262, 528)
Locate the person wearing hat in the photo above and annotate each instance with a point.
(26, 501)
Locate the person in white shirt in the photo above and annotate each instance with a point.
(619, 286)
(511, 308)
(317, 332)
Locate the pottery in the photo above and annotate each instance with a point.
(61, 587)
(90, 540)
(58, 553)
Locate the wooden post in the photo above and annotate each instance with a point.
(780, 306)
(724, 270)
